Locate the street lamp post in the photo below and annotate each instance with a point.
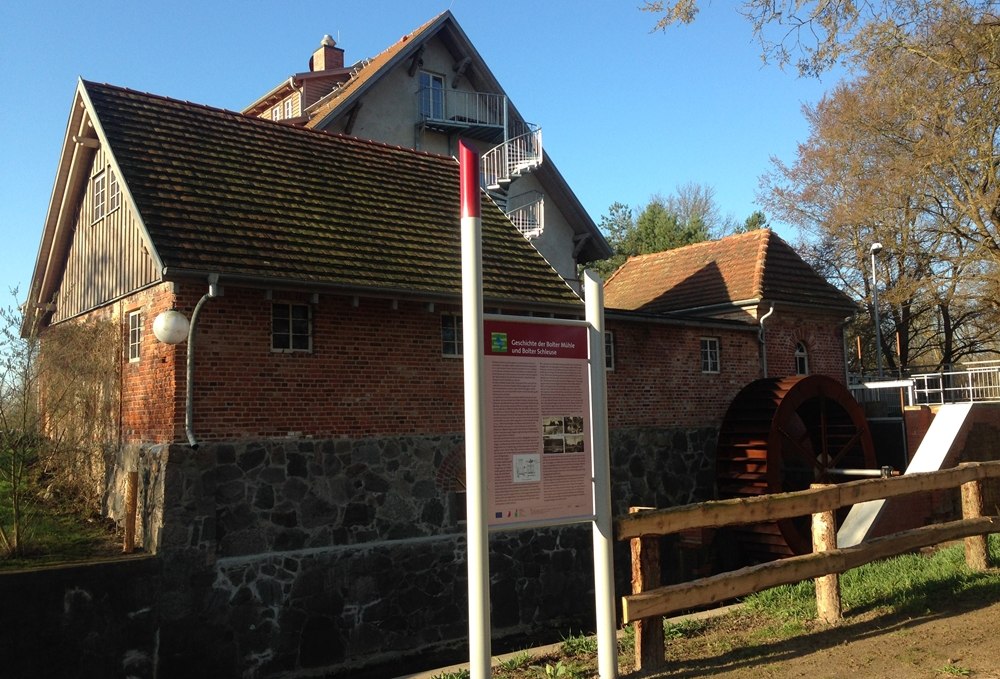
(875, 249)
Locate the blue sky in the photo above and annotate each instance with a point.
(625, 113)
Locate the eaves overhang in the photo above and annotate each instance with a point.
(175, 274)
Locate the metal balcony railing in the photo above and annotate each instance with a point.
(460, 108)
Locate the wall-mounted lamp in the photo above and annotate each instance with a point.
(171, 327)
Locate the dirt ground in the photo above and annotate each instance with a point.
(960, 639)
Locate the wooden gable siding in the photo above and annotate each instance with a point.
(107, 258)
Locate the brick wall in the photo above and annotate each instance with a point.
(822, 336)
(373, 370)
(657, 380)
(152, 394)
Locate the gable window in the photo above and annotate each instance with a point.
(451, 335)
(609, 350)
(709, 354)
(99, 194)
(288, 108)
(431, 95)
(801, 359)
(134, 336)
(291, 327)
(114, 192)
(276, 112)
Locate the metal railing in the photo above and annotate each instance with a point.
(527, 212)
(977, 382)
(980, 381)
(460, 107)
(510, 159)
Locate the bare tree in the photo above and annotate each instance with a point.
(57, 408)
(814, 35)
(887, 161)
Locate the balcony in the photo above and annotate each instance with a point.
(477, 115)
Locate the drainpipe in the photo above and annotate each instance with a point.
(213, 291)
(763, 341)
(847, 351)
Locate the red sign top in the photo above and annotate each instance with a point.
(534, 340)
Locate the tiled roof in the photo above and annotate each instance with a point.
(747, 267)
(367, 72)
(221, 192)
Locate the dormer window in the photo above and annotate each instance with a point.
(276, 112)
(289, 109)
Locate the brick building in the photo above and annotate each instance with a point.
(301, 490)
(708, 319)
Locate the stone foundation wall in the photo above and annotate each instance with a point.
(285, 556)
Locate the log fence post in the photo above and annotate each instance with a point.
(976, 555)
(650, 653)
(824, 538)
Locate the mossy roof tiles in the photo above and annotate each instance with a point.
(744, 268)
(223, 192)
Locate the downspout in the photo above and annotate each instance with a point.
(847, 351)
(763, 341)
(213, 291)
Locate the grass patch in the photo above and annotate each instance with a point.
(909, 583)
(55, 532)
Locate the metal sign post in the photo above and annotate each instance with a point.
(604, 573)
(558, 366)
(478, 559)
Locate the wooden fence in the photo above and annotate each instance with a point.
(649, 602)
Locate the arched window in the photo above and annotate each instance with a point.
(801, 359)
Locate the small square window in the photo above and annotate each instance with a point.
(98, 196)
(451, 335)
(609, 350)
(291, 327)
(709, 354)
(134, 336)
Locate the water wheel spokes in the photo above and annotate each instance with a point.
(781, 435)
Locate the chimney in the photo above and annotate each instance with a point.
(327, 57)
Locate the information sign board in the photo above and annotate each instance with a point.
(537, 417)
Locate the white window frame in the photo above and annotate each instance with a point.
(289, 108)
(276, 112)
(290, 329)
(135, 336)
(114, 192)
(99, 195)
(609, 351)
(711, 362)
(801, 359)
(431, 95)
(451, 324)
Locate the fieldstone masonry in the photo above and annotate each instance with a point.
(284, 556)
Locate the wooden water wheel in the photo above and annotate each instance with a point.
(781, 435)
